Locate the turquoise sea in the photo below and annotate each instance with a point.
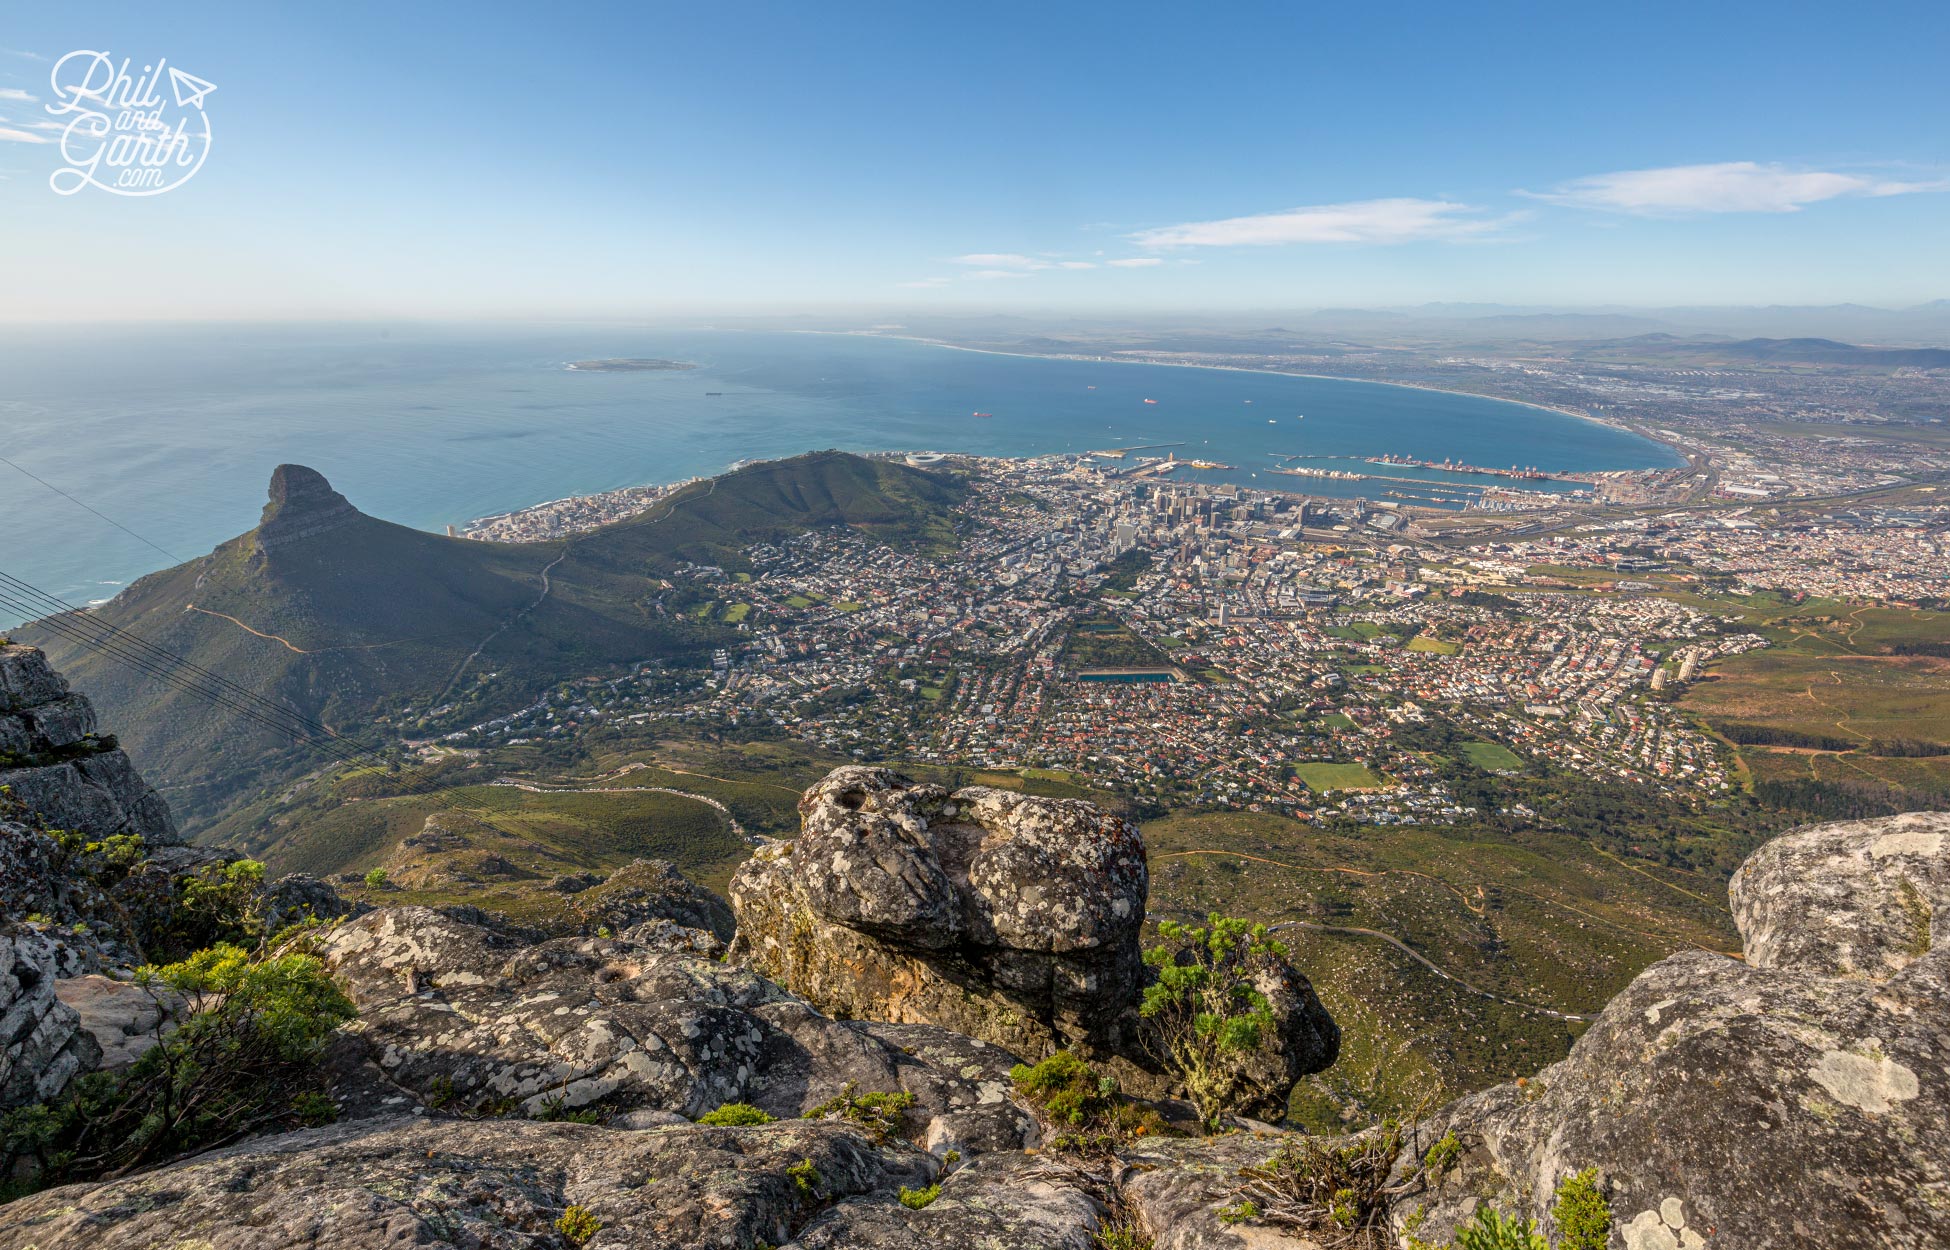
(173, 431)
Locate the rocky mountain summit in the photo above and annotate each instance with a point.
(854, 1074)
(302, 505)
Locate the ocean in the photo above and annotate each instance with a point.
(172, 431)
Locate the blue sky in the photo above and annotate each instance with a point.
(434, 159)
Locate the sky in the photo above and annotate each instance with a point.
(433, 159)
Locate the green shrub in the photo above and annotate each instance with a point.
(1122, 1235)
(245, 1053)
(1239, 1212)
(218, 906)
(376, 878)
(578, 1224)
(915, 1199)
(1091, 1116)
(1204, 1008)
(805, 1178)
(881, 1114)
(1582, 1214)
(1064, 1086)
(735, 1115)
(557, 1110)
(1330, 1190)
(1492, 1230)
(1443, 1155)
(314, 1109)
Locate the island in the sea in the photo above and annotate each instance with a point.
(629, 366)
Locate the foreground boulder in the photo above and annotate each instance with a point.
(489, 1185)
(1010, 918)
(1799, 1098)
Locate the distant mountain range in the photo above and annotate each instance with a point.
(1764, 351)
(343, 617)
(1917, 325)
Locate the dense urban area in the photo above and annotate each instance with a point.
(1110, 622)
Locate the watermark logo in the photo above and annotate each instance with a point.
(124, 135)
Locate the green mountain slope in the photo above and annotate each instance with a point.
(353, 620)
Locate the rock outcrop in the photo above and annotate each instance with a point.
(464, 1017)
(1799, 1098)
(486, 1185)
(648, 891)
(1007, 917)
(56, 766)
(302, 505)
(43, 1045)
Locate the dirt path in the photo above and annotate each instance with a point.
(1422, 959)
(284, 642)
(1476, 908)
(504, 628)
(705, 799)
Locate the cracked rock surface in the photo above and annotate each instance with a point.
(1798, 1098)
(463, 1016)
(1008, 918)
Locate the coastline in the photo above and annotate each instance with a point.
(1606, 422)
(481, 528)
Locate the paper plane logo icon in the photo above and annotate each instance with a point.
(190, 89)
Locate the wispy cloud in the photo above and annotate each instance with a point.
(1004, 260)
(989, 275)
(1075, 264)
(1403, 220)
(1134, 262)
(29, 56)
(9, 135)
(15, 94)
(1728, 187)
(926, 283)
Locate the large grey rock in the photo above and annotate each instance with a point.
(485, 1185)
(27, 680)
(1860, 899)
(646, 891)
(43, 1045)
(298, 897)
(125, 1019)
(1008, 918)
(465, 1016)
(1176, 1188)
(55, 770)
(1799, 1098)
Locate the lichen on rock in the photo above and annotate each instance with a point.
(1798, 1097)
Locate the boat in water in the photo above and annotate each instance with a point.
(1150, 401)
(985, 414)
